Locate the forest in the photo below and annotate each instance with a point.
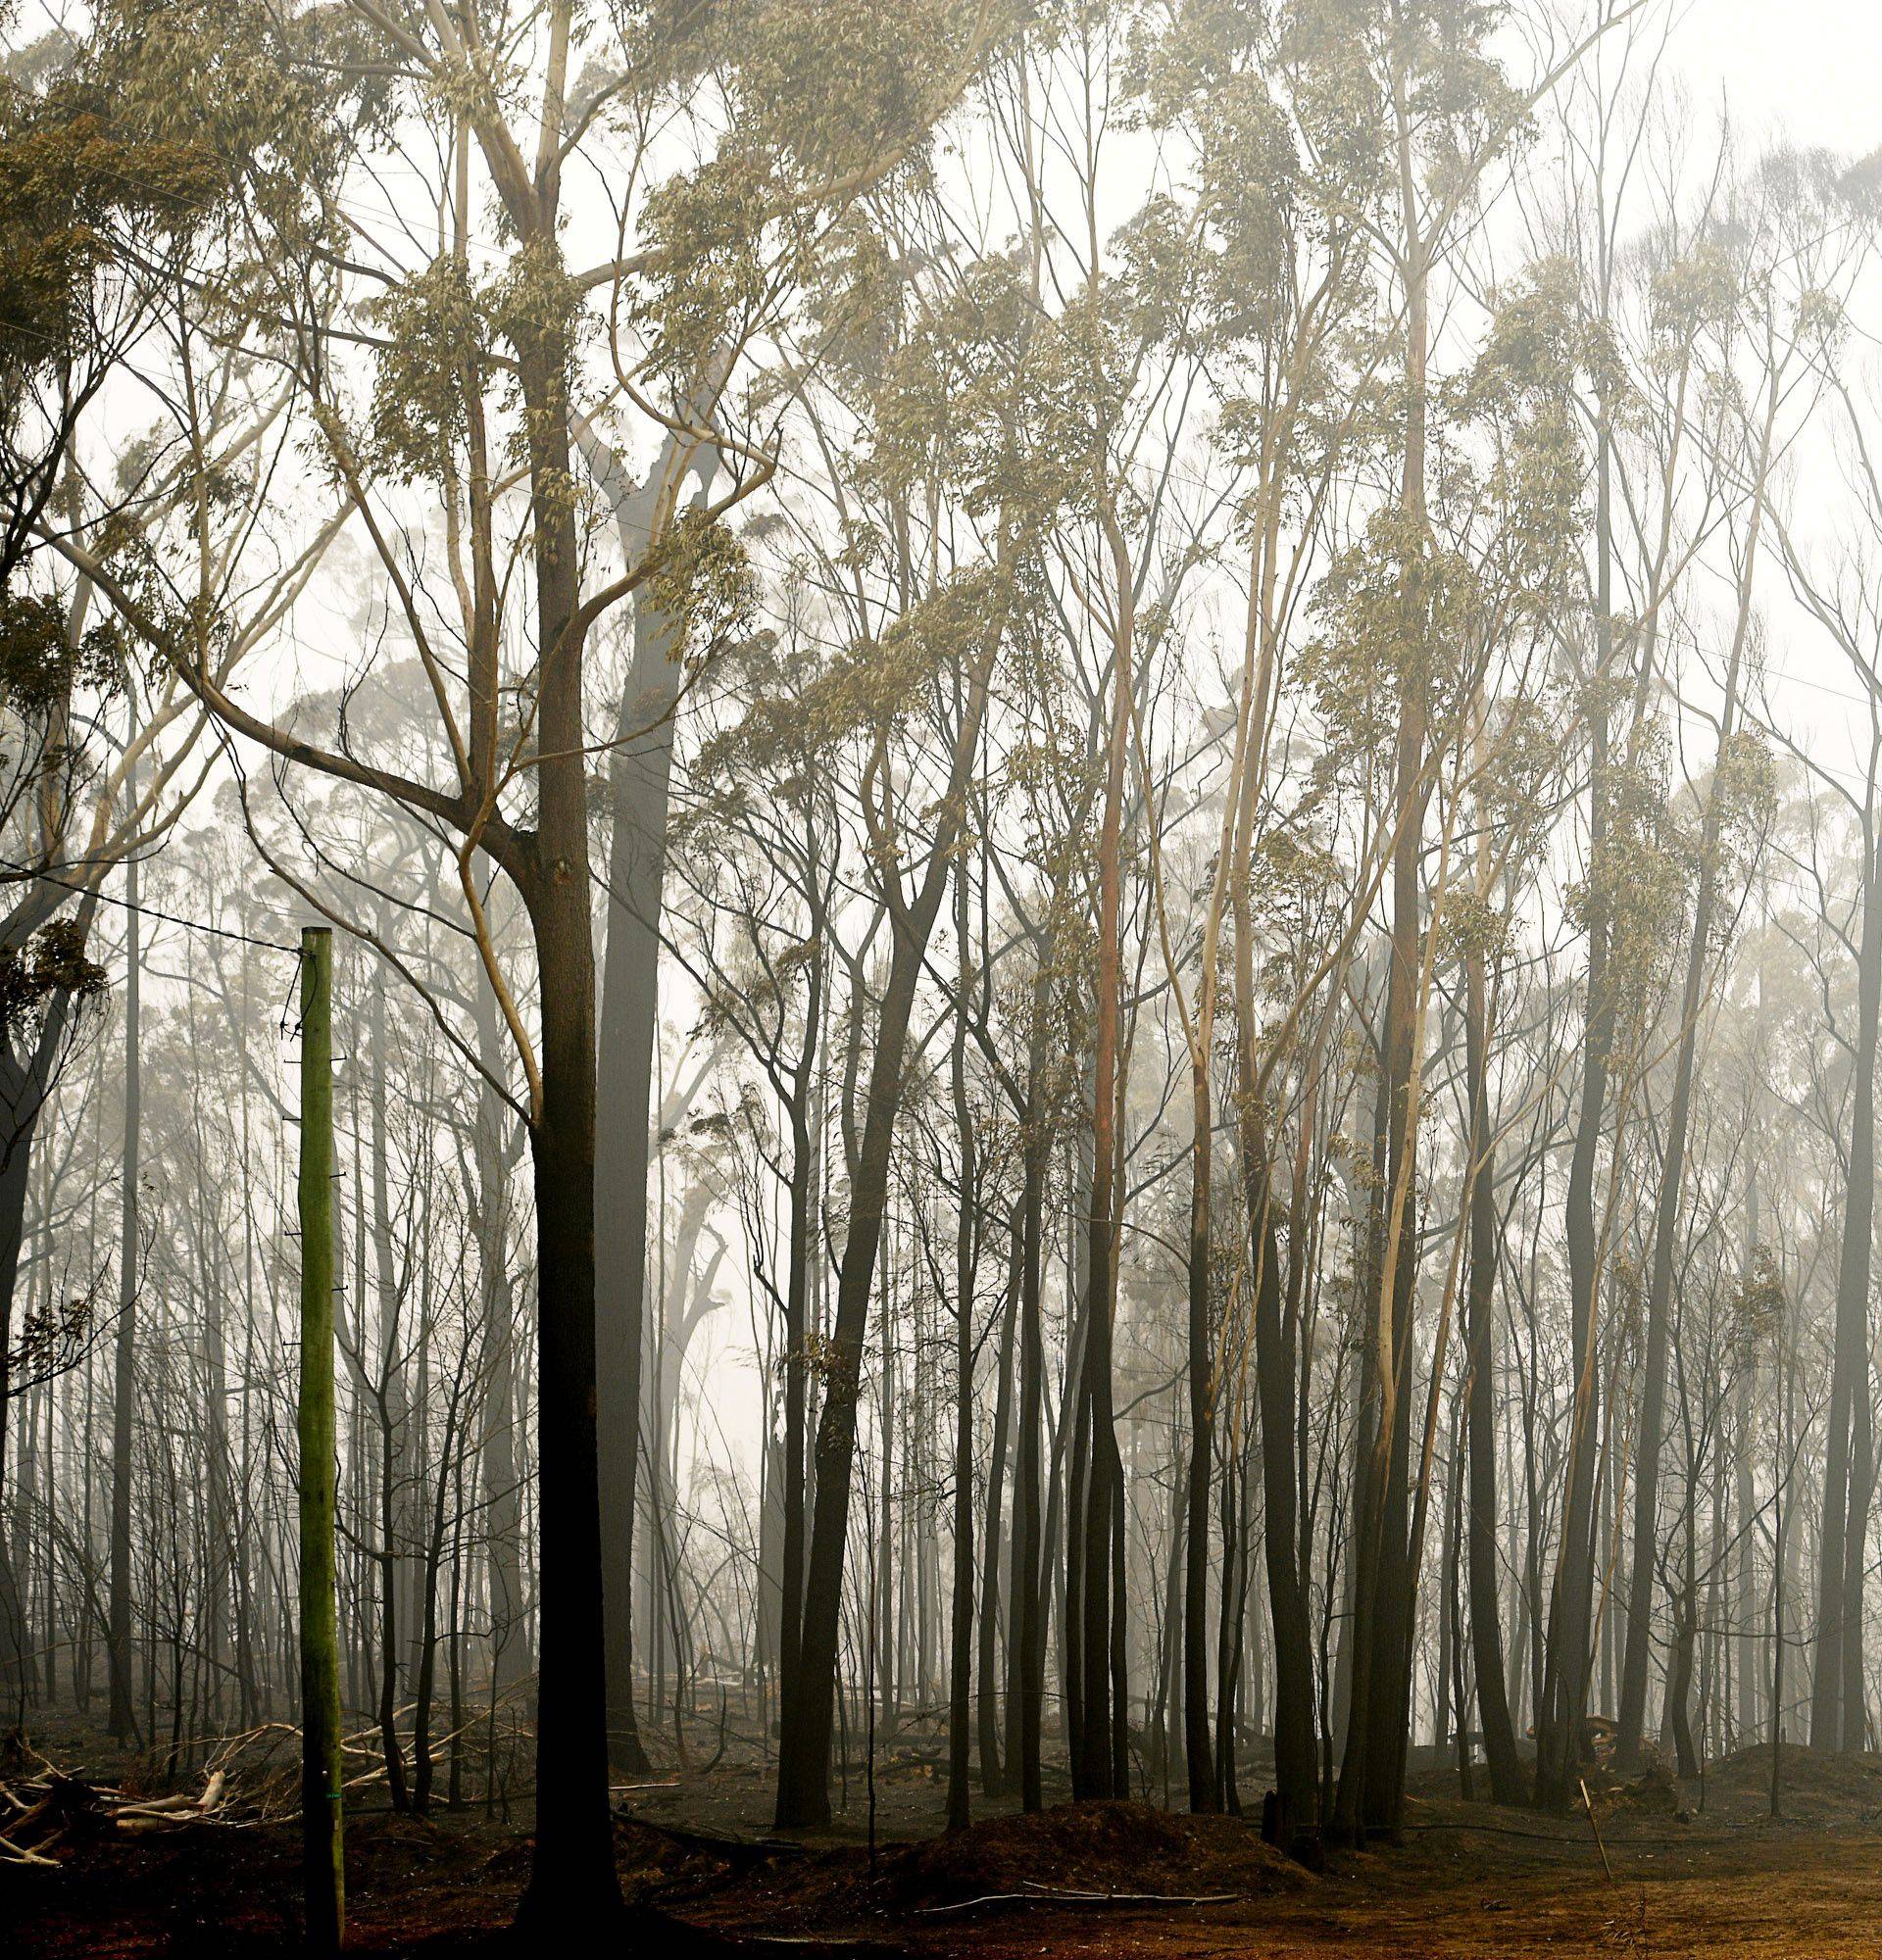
(940, 978)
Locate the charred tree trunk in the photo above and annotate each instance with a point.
(802, 1770)
(993, 1769)
(1836, 1714)
(1373, 1772)
(25, 1072)
(1030, 1557)
(1094, 1760)
(1652, 1407)
(961, 1644)
(1196, 1752)
(1486, 1634)
(572, 1877)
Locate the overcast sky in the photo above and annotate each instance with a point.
(1813, 66)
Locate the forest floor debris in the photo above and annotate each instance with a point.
(1469, 1879)
(47, 1813)
(1104, 1848)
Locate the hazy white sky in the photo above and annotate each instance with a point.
(1813, 66)
(1810, 72)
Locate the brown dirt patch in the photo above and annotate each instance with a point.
(1100, 1848)
(1470, 1882)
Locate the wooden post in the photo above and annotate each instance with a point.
(123, 1720)
(325, 1878)
(1588, 1805)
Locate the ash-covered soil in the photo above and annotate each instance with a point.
(1698, 1867)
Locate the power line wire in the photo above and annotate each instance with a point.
(151, 912)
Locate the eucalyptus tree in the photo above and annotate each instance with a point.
(950, 429)
(476, 353)
(1283, 170)
(1809, 990)
(1647, 305)
(1836, 588)
(1438, 115)
(640, 769)
(138, 443)
(1128, 352)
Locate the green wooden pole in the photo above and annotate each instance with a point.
(320, 1625)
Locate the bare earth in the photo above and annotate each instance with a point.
(1468, 1879)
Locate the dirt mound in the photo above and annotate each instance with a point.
(1814, 1786)
(1100, 1848)
(1655, 1793)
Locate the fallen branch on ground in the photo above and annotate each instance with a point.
(1033, 1893)
(51, 1808)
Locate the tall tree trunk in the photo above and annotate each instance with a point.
(122, 1721)
(639, 775)
(993, 1770)
(1279, 1386)
(961, 1642)
(804, 1258)
(803, 1787)
(1653, 1405)
(802, 1796)
(1569, 1604)
(1196, 1752)
(1373, 1774)
(323, 1768)
(25, 1072)
(572, 1877)
(1486, 1634)
(1092, 1769)
(1031, 1566)
(1855, 1557)
(1679, 1664)
(1835, 1691)
(511, 1657)
(886, 1564)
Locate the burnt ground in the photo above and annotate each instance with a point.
(1696, 1869)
